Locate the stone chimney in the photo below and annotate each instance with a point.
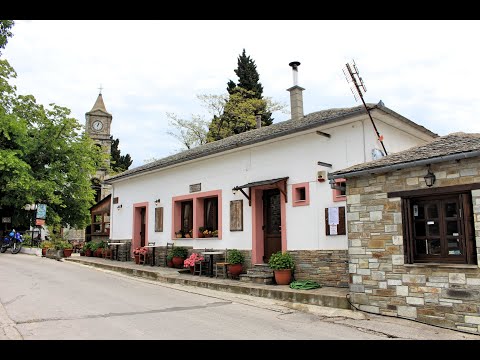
(296, 98)
(258, 118)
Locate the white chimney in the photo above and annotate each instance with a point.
(296, 98)
(258, 118)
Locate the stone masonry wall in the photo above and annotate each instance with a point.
(327, 267)
(380, 282)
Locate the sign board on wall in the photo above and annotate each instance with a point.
(6, 220)
(195, 187)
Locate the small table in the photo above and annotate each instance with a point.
(210, 265)
(152, 262)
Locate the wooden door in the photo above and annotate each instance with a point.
(272, 223)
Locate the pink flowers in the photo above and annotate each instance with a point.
(140, 250)
(192, 259)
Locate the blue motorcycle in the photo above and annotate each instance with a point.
(13, 241)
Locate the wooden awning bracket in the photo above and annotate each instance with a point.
(284, 190)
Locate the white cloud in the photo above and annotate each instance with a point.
(420, 69)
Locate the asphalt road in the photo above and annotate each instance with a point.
(43, 298)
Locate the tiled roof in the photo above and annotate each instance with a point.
(456, 144)
(263, 134)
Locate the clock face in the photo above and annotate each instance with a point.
(97, 125)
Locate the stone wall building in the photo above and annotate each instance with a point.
(414, 233)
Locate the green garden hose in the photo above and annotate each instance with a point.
(304, 285)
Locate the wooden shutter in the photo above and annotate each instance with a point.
(236, 215)
(159, 219)
(408, 241)
(341, 227)
(468, 227)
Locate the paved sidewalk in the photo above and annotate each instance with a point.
(324, 296)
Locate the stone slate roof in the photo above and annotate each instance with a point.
(273, 131)
(99, 105)
(452, 146)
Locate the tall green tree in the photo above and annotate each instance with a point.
(5, 32)
(118, 162)
(45, 157)
(248, 79)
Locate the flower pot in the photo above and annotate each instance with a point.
(89, 253)
(283, 277)
(235, 270)
(44, 251)
(67, 252)
(169, 263)
(137, 258)
(177, 262)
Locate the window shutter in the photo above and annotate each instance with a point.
(468, 230)
(159, 219)
(236, 215)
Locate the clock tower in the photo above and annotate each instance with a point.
(97, 125)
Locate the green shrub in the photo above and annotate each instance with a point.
(234, 256)
(179, 251)
(280, 261)
(46, 244)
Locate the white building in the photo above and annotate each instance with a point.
(264, 190)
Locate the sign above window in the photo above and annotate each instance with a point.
(195, 187)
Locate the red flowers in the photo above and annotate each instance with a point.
(192, 259)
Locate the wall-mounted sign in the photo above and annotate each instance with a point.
(6, 220)
(195, 187)
(39, 222)
(41, 211)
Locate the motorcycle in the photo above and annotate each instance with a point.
(13, 241)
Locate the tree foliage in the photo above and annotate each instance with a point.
(5, 33)
(189, 133)
(45, 157)
(118, 162)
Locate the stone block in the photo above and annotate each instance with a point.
(473, 281)
(415, 300)
(363, 272)
(402, 290)
(376, 244)
(394, 282)
(414, 279)
(398, 259)
(357, 288)
(397, 240)
(352, 268)
(375, 215)
(472, 319)
(382, 284)
(457, 278)
(407, 311)
(357, 279)
(378, 275)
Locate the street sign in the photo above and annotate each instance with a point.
(41, 211)
(6, 220)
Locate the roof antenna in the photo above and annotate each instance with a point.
(354, 77)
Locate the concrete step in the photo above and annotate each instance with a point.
(257, 278)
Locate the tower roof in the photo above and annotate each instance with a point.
(99, 105)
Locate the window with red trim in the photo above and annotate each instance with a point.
(340, 194)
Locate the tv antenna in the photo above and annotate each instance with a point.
(357, 86)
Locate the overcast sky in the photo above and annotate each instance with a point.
(423, 70)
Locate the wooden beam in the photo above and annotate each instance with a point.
(323, 134)
(284, 190)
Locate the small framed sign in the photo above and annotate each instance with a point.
(6, 220)
(195, 187)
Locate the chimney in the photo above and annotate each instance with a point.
(296, 99)
(258, 118)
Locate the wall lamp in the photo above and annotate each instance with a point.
(157, 201)
(119, 207)
(429, 178)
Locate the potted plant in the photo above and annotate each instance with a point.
(179, 233)
(207, 233)
(282, 265)
(67, 249)
(215, 233)
(46, 245)
(87, 248)
(201, 229)
(139, 251)
(235, 260)
(191, 261)
(179, 253)
(169, 260)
